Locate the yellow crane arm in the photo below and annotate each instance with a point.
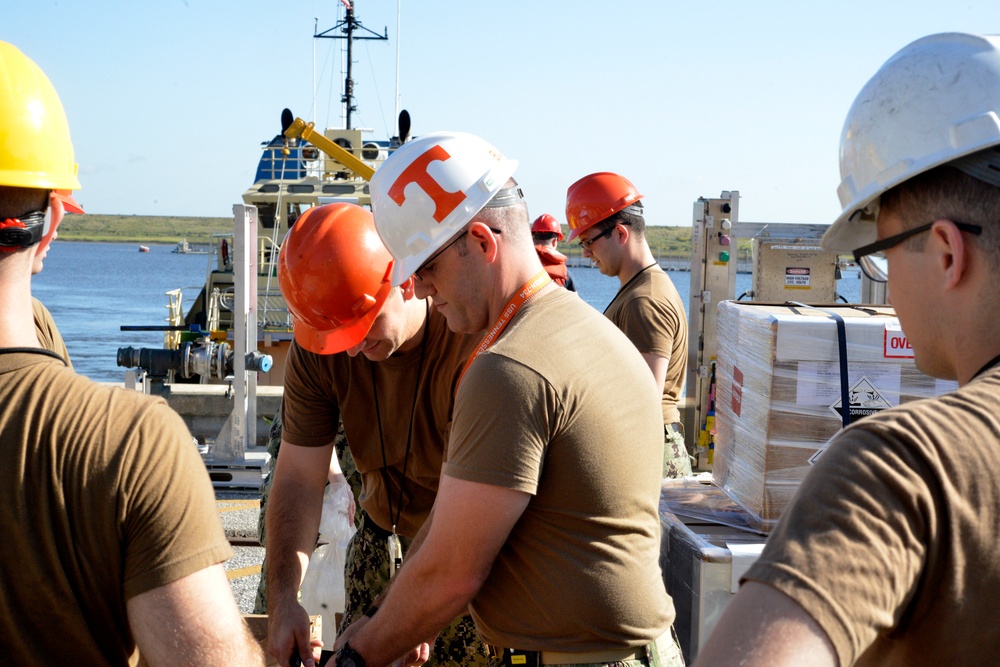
(299, 129)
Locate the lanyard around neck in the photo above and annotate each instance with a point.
(527, 290)
(630, 281)
(394, 518)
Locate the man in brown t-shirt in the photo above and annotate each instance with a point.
(112, 545)
(384, 363)
(605, 214)
(888, 554)
(546, 520)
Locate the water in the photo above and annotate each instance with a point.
(94, 288)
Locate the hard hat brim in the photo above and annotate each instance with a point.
(70, 205)
(340, 338)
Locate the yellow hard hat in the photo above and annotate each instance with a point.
(35, 148)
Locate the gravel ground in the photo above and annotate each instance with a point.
(244, 572)
(239, 512)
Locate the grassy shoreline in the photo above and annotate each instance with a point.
(142, 229)
(665, 242)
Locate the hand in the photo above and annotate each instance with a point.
(288, 635)
(349, 632)
(416, 656)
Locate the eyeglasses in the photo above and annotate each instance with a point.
(871, 258)
(586, 243)
(428, 265)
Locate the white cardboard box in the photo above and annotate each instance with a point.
(778, 392)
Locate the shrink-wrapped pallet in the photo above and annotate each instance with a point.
(779, 389)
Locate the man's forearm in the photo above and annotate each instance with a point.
(471, 523)
(424, 597)
(293, 515)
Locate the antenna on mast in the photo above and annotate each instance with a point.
(348, 27)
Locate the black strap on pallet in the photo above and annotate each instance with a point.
(845, 396)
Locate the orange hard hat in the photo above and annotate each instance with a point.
(334, 273)
(597, 197)
(547, 223)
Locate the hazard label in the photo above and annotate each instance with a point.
(797, 277)
(897, 345)
(865, 400)
(819, 452)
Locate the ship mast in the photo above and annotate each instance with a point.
(348, 29)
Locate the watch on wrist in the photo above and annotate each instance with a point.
(348, 657)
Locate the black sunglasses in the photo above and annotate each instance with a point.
(871, 257)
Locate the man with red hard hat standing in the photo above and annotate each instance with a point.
(888, 554)
(546, 523)
(546, 232)
(385, 363)
(605, 214)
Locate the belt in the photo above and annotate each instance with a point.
(588, 657)
(676, 427)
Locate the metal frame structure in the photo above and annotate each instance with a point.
(715, 233)
(229, 463)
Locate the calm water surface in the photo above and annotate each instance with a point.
(93, 289)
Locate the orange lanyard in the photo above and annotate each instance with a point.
(528, 290)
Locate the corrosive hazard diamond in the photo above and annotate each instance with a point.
(865, 400)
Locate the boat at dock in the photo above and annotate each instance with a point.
(185, 248)
(236, 332)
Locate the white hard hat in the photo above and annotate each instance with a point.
(429, 189)
(934, 101)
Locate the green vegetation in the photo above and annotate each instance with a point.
(141, 228)
(665, 242)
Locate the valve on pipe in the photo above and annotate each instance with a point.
(200, 357)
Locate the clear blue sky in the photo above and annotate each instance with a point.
(169, 100)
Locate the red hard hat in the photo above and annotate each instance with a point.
(597, 197)
(547, 223)
(334, 273)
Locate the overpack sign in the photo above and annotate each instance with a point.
(864, 399)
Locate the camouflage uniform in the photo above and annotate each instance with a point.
(660, 654)
(367, 575)
(366, 572)
(676, 461)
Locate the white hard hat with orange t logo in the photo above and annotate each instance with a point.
(429, 189)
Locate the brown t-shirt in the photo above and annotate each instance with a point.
(893, 541)
(320, 389)
(650, 312)
(578, 427)
(104, 497)
(47, 332)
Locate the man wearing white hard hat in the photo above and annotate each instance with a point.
(888, 555)
(383, 363)
(546, 521)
